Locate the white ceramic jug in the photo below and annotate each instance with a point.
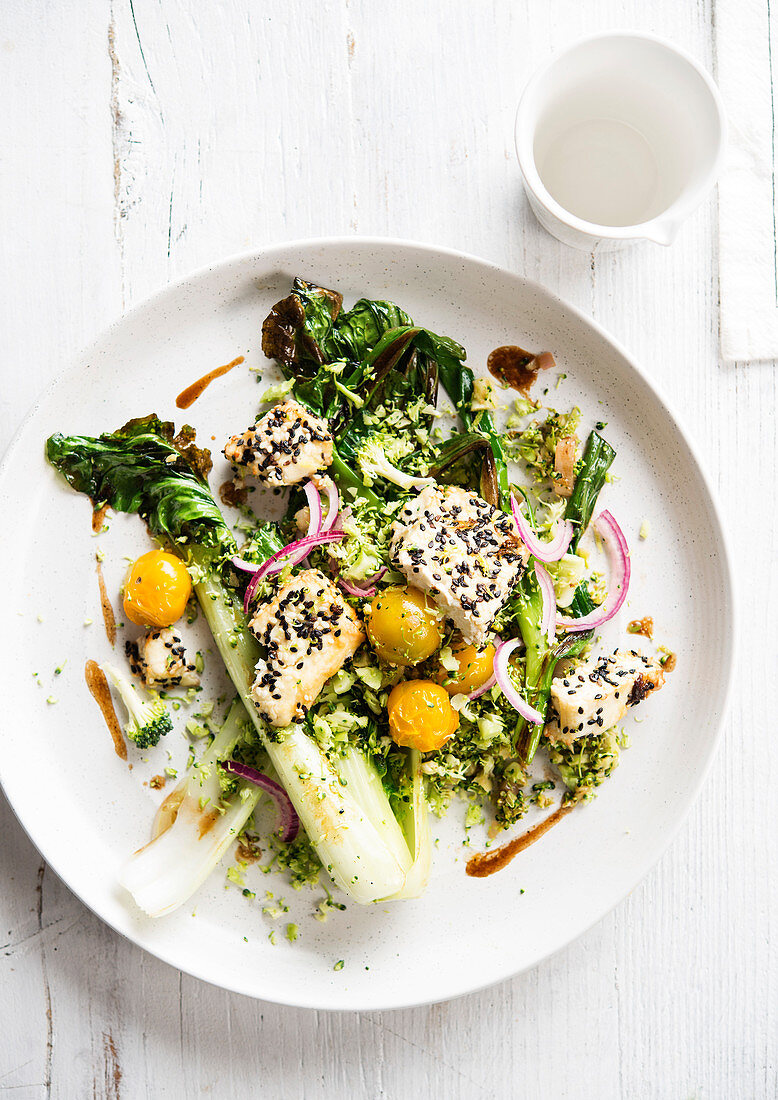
(619, 138)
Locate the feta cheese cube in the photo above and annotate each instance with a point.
(467, 555)
(593, 696)
(160, 660)
(285, 447)
(309, 633)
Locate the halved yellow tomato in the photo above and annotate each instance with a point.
(475, 667)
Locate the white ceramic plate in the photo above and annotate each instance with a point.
(86, 811)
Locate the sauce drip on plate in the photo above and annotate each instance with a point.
(230, 493)
(486, 863)
(109, 619)
(248, 851)
(188, 396)
(98, 518)
(515, 367)
(101, 693)
(644, 626)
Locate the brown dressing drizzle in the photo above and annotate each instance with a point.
(208, 822)
(643, 626)
(515, 367)
(98, 518)
(168, 810)
(101, 693)
(229, 493)
(248, 851)
(486, 863)
(109, 619)
(188, 396)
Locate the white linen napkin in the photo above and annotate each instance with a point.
(747, 54)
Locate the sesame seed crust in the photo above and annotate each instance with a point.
(603, 689)
(159, 658)
(308, 632)
(454, 545)
(286, 446)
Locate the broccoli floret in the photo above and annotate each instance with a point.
(376, 458)
(148, 718)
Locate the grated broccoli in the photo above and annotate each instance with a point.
(536, 444)
(147, 718)
(587, 762)
(363, 550)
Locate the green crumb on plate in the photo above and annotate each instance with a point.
(235, 874)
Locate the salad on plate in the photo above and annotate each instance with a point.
(421, 624)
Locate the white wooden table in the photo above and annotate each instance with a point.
(140, 139)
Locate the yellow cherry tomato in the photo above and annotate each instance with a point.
(157, 589)
(475, 668)
(403, 626)
(420, 715)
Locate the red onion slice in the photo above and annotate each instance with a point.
(543, 551)
(314, 509)
(289, 823)
(358, 590)
(341, 518)
(292, 554)
(315, 524)
(621, 570)
(333, 506)
(508, 688)
(548, 621)
(248, 566)
(482, 690)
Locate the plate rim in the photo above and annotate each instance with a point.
(431, 249)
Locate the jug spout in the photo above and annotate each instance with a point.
(662, 231)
